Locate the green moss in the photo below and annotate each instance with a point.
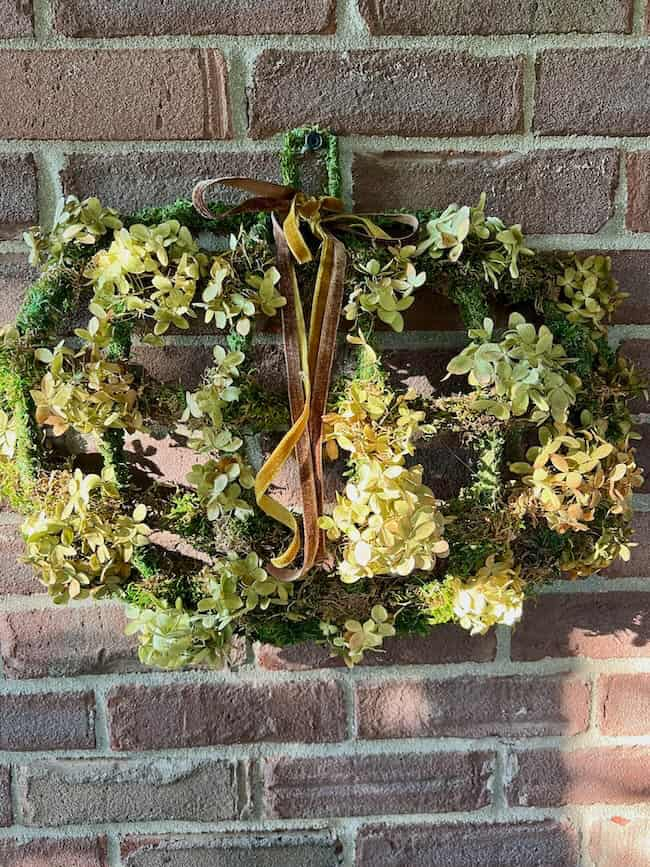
(183, 210)
(47, 302)
(257, 409)
(17, 376)
(576, 339)
(282, 633)
(470, 299)
(488, 465)
(188, 518)
(294, 142)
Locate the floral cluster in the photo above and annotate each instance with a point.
(78, 544)
(524, 373)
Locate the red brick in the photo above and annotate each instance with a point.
(409, 93)
(15, 576)
(638, 352)
(76, 791)
(546, 191)
(483, 17)
(529, 844)
(54, 853)
(129, 181)
(472, 707)
(638, 192)
(5, 796)
(66, 641)
(632, 270)
(446, 644)
(194, 715)
(596, 625)
(639, 563)
(168, 459)
(640, 560)
(47, 721)
(376, 785)
(554, 778)
(15, 276)
(196, 17)
(624, 704)
(257, 849)
(596, 90)
(18, 191)
(618, 840)
(153, 94)
(175, 365)
(15, 18)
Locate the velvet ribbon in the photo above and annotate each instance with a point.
(309, 353)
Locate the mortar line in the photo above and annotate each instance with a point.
(639, 16)
(499, 799)
(562, 666)
(354, 36)
(329, 825)
(529, 86)
(114, 857)
(238, 81)
(43, 18)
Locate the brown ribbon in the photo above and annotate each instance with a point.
(309, 360)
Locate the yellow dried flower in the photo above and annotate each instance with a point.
(494, 595)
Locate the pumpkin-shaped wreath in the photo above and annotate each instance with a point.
(538, 401)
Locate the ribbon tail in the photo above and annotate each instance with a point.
(326, 312)
(297, 438)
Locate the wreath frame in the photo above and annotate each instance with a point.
(531, 512)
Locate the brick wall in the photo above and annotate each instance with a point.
(531, 750)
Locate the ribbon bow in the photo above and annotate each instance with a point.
(309, 355)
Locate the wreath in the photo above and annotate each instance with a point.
(539, 403)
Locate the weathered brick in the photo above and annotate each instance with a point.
(638, 351)
(153, 94)
(175, 365)
(553, 778)
(624, 704)
(75, 791)
(18, 191)
(546, 191)
(530, 844)
(638, 192)
(421, 369)
(5, 796)
(54, 853)
(639, 562)
(289, 849)
(15, 276)
(47, 721)
(595, 90)
(596, 625)
(194, 715)
(640, 559)
(423, 17)
(632, 270)
(446, 644)
(136, 180)
(196, 17)
(409, 93)
(472, 707)
(15, 576)
(62, 642)
(376, 785)
(169, 459)
(619, 840)
(15, 18)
